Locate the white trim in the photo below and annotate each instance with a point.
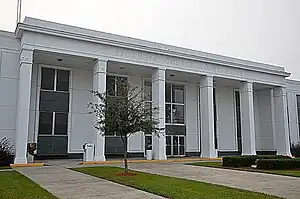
(39, 75)
(177, 104)
(50, 28)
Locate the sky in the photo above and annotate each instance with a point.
(266, 31)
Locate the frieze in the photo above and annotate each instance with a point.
(178, 62)
(136, 55)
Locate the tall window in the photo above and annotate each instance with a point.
(215, 119)
(112, 86)
(238, 120)
(147, 94)
(298, 110)
(174, 104)
(54, 102)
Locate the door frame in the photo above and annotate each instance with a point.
(172, 145)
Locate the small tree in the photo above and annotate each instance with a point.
(123, 113)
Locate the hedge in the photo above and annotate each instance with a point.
(248, 160)
(278, 163)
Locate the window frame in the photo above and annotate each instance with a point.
(115, 84)
(171, 103)
(298, 115)
(144, 80)
(238, 122)
(38, 73)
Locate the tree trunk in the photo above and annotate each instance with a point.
(125, 156)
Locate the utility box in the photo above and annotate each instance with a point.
(88, 154)
(149, 154)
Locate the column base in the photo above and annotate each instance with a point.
(20, 160)
(249, 153)
(284, 153)
(213, 154)
(99, 158)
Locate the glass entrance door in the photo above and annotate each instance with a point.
(148, 143)
(175, 145)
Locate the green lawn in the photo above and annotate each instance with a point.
(4, 167)
(294, 173)
(14, 185)
(174, 188)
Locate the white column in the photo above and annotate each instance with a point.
(158, 98)
(281, 121)
(247, 119)
(207, 117)
(99, 84)
(26, 61)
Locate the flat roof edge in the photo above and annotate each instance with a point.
(63, 28)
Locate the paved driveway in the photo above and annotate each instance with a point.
(284, 186)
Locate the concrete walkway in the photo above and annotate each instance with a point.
(68, 184)
(283, 186)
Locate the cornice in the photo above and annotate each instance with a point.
(157, 48)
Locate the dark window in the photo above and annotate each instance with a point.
(215, 118)
(54, 109)
(238, 120)
(148, 90)
(116, 86)
(168, 113)
(178, 114)
(175, 111)
(62, 81)
(54, 101)
(110, 85)
(121, 86)
(178, 94)
(168, 92)
(45, 123)
(168, 145)
(298, 110)
(61, 124)
(48, 75)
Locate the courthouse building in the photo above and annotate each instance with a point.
(209, 105)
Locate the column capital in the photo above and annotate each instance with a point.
(100, 66)
(26, 56)
(246, 87)
(159, 74)
(207, 81)
(279, 91)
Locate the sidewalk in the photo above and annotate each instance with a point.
(68, 184)
(283, 186)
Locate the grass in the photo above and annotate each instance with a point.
(170, 187)
(14, 185)
(4, 167)
(294, 173)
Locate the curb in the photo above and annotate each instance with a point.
(27, 165)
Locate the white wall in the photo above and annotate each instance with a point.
(264, 120)
(192, 117)
(226, 125)
(9, 74)
(136, 141)
(81, 128)
(293, 89)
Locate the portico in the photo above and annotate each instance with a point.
(209, 105)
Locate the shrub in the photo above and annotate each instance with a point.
(295, 149)
(278, 163)
(6, 152)
(248, 160)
